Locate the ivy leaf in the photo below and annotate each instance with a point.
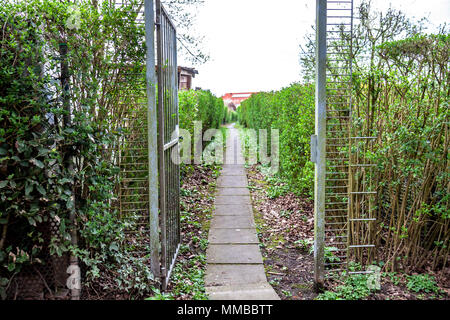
(3, 184)
(11, 267)
(28, 189)
(31, 221)
(41, 189)
(37, 163)
(3, 151)
(113, 247)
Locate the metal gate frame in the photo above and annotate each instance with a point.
(168, 142)
(149, 180)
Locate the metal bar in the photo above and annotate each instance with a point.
(335, 223)
(320, 131)
(152, 116)
(161, 164)
(363, 137)
(368, 192)
(170, 144)
(362, 246)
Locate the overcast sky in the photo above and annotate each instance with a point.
(254, 44)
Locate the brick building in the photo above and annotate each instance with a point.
(234, 100)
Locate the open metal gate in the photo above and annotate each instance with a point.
(344, 196)
(149, 180)
(168, 146)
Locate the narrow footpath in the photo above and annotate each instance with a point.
(235, 269)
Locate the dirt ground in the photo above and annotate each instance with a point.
(281, 223)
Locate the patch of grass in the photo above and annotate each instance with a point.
(275, 191)
(303, 244)
(285, 214)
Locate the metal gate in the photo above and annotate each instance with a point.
(343, 192)
(168, 147)
(149, 179)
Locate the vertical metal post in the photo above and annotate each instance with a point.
(320, 131)
(161, 164)
(152, 137)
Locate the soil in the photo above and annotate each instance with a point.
(281, 223)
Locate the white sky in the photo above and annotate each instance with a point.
(254, 44)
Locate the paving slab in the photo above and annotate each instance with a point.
(234, 274)
(232, 222)
(233, 210)
(232, 181)
(233, 236)
(263, 291)
(232, 200)
(233, 254)
(236, 170)
(233, 192)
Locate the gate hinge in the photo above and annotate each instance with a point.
(314, 148)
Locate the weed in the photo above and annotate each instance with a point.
(160, 296)
(422, 283)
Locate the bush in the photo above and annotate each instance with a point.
(200, 105)
(291, 111)
(56, 160)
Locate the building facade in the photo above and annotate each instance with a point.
(234, 100)
(185, 76)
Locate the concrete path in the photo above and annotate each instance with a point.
(235, 268)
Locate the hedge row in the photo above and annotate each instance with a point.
(201, 105)
(291, 111)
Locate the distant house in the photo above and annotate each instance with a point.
(185, 76)
(234, 100)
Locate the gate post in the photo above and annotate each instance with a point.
(152, 137)
(320, 142)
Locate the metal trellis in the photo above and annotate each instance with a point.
(343, 194)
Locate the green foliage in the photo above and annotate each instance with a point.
(291, 111)
(354, 287)
(55, 145)
(201, 106)
(158, 295)
(422, 283)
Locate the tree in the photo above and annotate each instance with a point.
(183, 14)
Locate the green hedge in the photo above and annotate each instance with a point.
(291, 111)
(200, 105)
